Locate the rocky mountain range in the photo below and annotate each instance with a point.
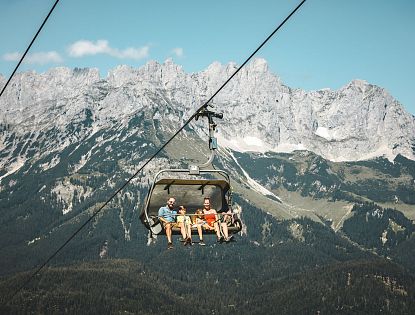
(357, 122)
(322, 174)
(70, 122)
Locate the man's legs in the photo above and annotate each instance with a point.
(168, 232)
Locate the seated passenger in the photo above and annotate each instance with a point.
(185, 225)
(225, 218)
(199, 222)
(167, 215)
(211, 217)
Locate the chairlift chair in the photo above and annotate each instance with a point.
(189, 187)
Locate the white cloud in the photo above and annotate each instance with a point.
(132, 53)
(85, 47)
(178, 51)
(40, 58)
(12, 56)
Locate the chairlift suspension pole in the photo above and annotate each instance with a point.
(213, 142)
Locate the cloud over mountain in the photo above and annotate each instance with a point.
(83, 48)
(39, 58)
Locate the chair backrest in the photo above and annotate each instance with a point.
(188, 192)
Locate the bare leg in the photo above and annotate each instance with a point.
(168, 232)
(225, 230)
(189, 231)
(199, 231)
(182, 230)
(216, 226)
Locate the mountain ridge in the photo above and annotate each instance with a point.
(357, 122)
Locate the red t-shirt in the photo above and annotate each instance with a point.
(210, 218)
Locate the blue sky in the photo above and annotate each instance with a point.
(326, 44)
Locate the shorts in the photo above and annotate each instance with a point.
(226, 218)
(211, 222)
(173, 224)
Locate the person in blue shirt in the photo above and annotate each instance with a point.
(167, 215)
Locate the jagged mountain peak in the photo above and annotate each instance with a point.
(358, 121)
(358, 83)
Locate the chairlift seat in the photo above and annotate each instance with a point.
(189, 193)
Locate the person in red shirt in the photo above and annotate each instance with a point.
(200, 223)
(211, 217)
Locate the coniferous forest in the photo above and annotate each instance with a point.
(266, 271)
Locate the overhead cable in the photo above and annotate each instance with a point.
(28, 48)
(155, 154)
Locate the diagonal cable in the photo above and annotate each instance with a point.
(154, 155)
(28, 48)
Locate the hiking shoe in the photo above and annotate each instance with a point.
(170, 246)
(187, 241)
(201, 243)
(228, 239)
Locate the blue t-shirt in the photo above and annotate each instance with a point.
(167, 214)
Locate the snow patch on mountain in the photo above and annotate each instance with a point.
(254, 184)
(324, 133)
(248, 143)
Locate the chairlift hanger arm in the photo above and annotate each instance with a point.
(213, 144)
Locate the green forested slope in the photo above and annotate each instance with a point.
(282, 267)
